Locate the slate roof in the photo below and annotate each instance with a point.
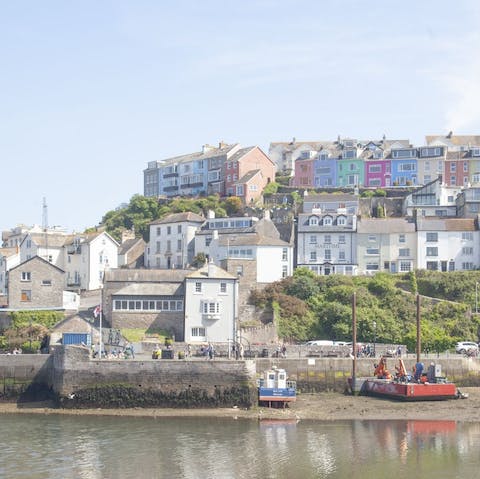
(248, 176)
(456, 140)
(52, 240)
(151, 289)
(445, 224)
(7, 252)
(217, 273)
(212, 152)
(385, 225)
(254, 239)
(146, 275)
(129, 244)
(187, 216)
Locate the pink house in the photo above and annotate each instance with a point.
(378, 173)
(304, 173)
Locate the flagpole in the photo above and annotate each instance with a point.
(100, 341)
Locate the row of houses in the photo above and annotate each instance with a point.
(348, 162)
(226, 170)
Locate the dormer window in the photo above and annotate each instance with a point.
(341, 221)
(313, 221)
(327, 221)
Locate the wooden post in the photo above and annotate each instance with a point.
(419, 341)
(354, 341)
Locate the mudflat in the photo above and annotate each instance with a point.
(320, 406)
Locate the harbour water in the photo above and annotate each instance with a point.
(57, 446)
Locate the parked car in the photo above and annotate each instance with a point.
(466, 346)
(319, 342)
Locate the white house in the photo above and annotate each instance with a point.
(47, 246)
(172, 244)
(87, 257)
(211, 305)
(447, 244)
(9, 258)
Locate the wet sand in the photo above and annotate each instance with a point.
(322, 406)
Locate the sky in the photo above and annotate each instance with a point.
(93, 90)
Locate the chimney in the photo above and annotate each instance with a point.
(215, 235)
(211, 268)
(210, 214)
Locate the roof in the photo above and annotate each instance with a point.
(7, 252)
(457, 140)
(210, 152)
(254, 239)
(445, 224)
(329, 198)
(86, 237)
(129, 244)
(37, 258)
(151, 289)
(184, 217)
(385, 225)
(248, 176)
(210, 270)
(146, 275)
(50, 240)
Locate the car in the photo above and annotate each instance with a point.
(463, 347)
(319, 342)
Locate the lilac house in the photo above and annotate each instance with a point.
(378, 173)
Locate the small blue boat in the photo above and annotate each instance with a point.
(274, 387)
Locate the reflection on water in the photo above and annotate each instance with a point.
(33, 446)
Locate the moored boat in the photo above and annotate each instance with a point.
(274, 388)
(420, 386)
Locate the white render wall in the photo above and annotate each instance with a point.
(450, 245)
(217, 330)
(270, 263)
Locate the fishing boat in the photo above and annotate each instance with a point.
(418, 386)
(275, 389)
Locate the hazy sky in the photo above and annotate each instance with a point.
(92, 90)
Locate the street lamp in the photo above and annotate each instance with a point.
(374, 339)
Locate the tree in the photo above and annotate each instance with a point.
(199, 260)
(233, 206)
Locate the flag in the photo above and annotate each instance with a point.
(97, 311)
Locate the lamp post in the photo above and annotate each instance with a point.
(476, 297)
(374, 339)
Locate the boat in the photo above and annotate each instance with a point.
(275, 389)
(418, 386)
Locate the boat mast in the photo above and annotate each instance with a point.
(418, 329)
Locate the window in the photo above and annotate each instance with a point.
(453, 180)
(327, 239)
(159, 229)
(404, 252)
(432, 265)
(328, 255)
(313, 221)
(46, 282)
(372, 266)
(239, 190)
(341, 255)
(26, 276)
(169, 230)
(169, 246)
(341, 221)
(157, 251)
(453, 167)
(240, 270)
(432, 237)
(401, 238)
(179, 245)
(341, 239)
(198, 287)
(372, 238)
(374, 169)
(313, 239)
(432, 251)
(467, 236)
(313, 256)
(223, 287)
(327, 221)
(467, 266)
(210, 307)
(26, 295)
(405, 266)
(284, 271)
(179, 229)
(284, 254)
(372, 251)
(467, 250)
(198, 332)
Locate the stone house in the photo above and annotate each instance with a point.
(35, 284)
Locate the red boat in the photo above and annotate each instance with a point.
(430, 386)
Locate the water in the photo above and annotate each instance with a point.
(51, 446)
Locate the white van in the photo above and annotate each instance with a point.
(319, 342)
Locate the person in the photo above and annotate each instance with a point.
(399, 351)
(418, 371)
(284, 351)
(242, 352)
(211, 351)
(129, 348)
(188, 351)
